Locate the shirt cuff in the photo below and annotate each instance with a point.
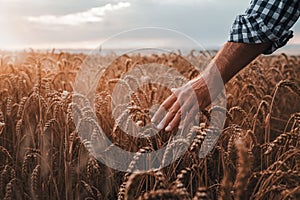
(252, 30)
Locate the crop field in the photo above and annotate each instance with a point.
(42, 155)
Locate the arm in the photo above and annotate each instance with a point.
(263, 28)
(235, 56)
(229, 61)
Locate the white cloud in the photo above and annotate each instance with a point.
(95, 14)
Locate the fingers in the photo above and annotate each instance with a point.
(160, 113)
(179, 106)
(186, 112)
(175, 122)
(170, 115)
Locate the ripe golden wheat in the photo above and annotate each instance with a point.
(43, 157)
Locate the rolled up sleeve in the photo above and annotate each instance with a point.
(266, 21)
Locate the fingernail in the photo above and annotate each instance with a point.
(168, 128)
(160, 126)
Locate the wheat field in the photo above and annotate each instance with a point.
(42, 156)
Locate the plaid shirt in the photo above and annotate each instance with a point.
(265, 21)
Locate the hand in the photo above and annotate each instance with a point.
(184, 103)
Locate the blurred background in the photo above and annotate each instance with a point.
(83, 25)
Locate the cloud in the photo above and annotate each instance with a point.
(92, 15)
(207, 21)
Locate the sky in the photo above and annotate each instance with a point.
(86, 24)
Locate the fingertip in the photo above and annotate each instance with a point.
(160, 126)
(168, 128)
(152, 120)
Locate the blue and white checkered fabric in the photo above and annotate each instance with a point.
(266, 21)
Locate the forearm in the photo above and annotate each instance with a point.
(228, 62)
(235, 56)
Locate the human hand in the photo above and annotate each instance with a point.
(184, 103)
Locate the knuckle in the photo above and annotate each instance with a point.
(178, 114)
(163, 105)
(173, 111)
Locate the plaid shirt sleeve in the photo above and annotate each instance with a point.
(266, 21)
